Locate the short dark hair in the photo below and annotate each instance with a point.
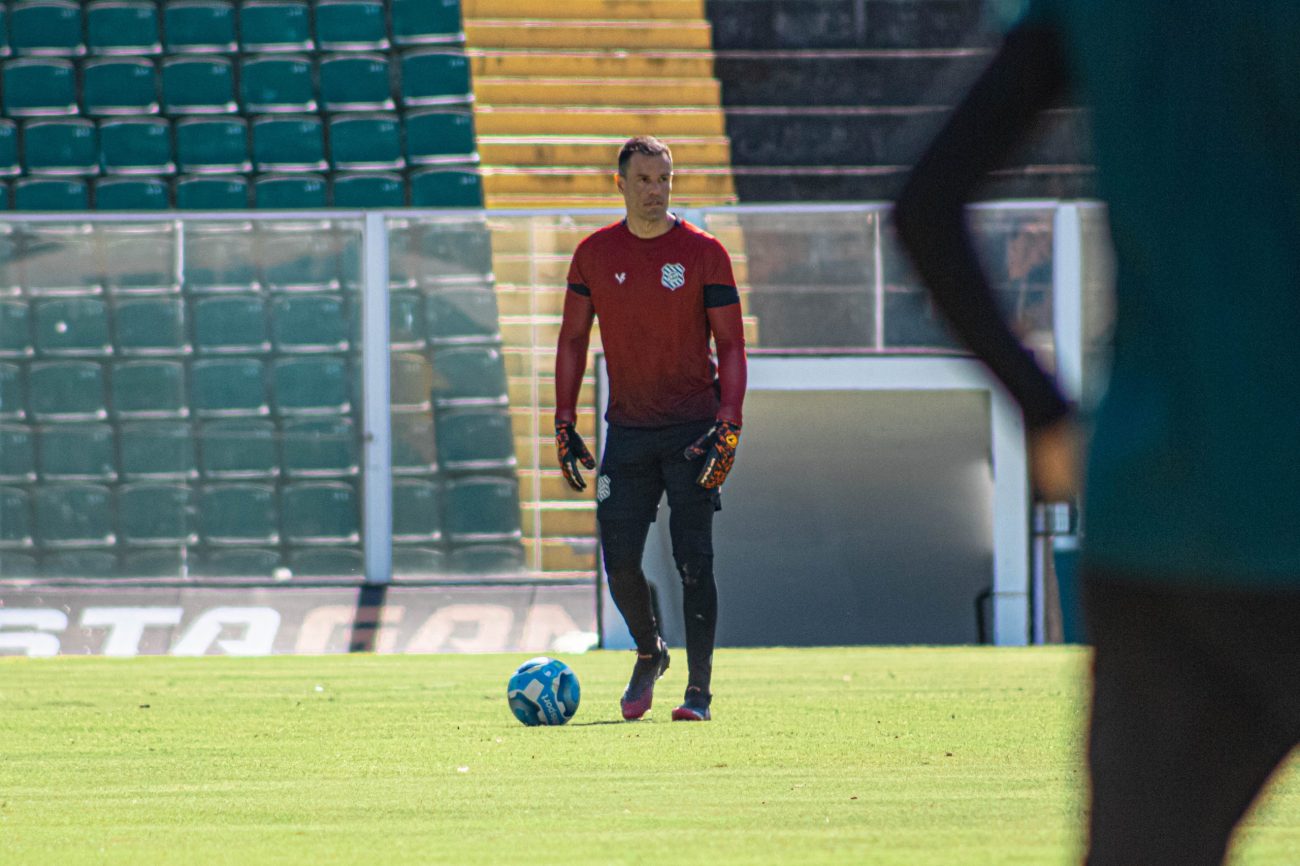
(646, 144)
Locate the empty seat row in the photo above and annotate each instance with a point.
(161, 514)
(227, 324)
(136, 86)
(62, 27)
(251, 448)
(145, 259)
(214, 387)
(435, 187)
(154, 146)
(242, 386)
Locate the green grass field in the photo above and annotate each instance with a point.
(865, 756)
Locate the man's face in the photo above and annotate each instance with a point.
(647, 186)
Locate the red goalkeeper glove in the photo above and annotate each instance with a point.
(572, 451)
(718, 448)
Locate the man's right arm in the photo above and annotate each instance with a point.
(571, 353)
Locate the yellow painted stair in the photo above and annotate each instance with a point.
(559, 86)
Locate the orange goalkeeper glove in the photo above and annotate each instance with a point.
(718, 448)
(572, 451)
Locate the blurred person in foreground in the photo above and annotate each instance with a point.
(1191, 555)
(660, 288)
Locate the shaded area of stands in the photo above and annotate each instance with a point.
(834, 100)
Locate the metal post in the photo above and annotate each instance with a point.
(376, 420)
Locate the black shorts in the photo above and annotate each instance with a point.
(1196, 699)
(640, 464)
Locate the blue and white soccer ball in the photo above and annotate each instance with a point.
(543, 691)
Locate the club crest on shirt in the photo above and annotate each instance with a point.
(673, 277)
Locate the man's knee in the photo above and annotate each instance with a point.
(696, 569)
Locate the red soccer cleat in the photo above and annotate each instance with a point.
(640, 693)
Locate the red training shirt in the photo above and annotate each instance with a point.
(651, 296)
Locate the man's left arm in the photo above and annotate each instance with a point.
(718, 445)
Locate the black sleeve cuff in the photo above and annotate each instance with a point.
(719, 295)
(579, 288)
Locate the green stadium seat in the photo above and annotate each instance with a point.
(47, 28)
(11, 279)
(309, 323)
(94, 564)
(434, 77)
(369, 189)
(321, 512)
(355, 82)
(216, 192)
(136, 145)
(74, 515)
(317, 563)
(17, 454)
(413, 448)
(39, 87)
(238, 513)
(482, 509)
(457, 316)
(16, 329)
(150, 326)
(239, 448)
(238, 562)
(295, 259)
(9, 164)
(486, 559)
(290, 192)
(415, 562)
(411, 382)
(321, 448)
(446, 187)
(417, 513)
(276, 85)
(351, 25)
(406, 331)
(132, 193)
(62, 146)
(219, 260)
(174, 562)
(15, 521)
(13, 392)
(60, 260)
(199, 26)
(17, 565)
(157, 450)
(449, 252)
(71, 327)
(231, 324)
(474, 439)
(76, 452)
(119, 85)
(156, 514)
(123, 27)
(4, 197)
(228, 387)
(149, 389)
(365, 141)
(421, 22)
(140, 259)
(67, 391)
(294, 143)
(198, 85)
(214, 145)
(312, 385)
(437, 136)
(469, 375)
(51, 194)
(268, 26)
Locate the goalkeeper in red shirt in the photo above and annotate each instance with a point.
(660, 287)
